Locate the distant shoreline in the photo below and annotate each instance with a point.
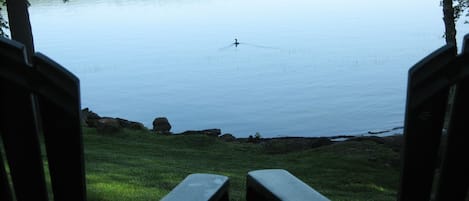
(91, 119)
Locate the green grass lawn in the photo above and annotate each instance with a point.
(142, 166)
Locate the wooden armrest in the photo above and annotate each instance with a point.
(278, 184)
(200, 187)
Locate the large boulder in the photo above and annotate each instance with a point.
(124, 123)
(215, 132)
(108, 125)
(161, 125)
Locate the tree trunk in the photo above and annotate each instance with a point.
(20, 26)
(448, 18)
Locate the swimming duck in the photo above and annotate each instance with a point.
(236, 43)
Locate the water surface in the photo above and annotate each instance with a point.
(303, 68)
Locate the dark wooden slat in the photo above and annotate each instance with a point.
(12, 50)
(62, 130)
(20, 138)
(18, 128)
(427, 94)
(57, 84)
(5, 190)
(62, 136)
(428, 76)
(200, 187)
(278, 185)
(454, 175)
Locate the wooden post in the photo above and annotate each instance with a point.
(20, 26)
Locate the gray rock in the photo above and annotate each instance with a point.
(228, 137)
(124, 123)
(212, 132)
(108, 125)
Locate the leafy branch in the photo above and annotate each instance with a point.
(461, 7)
(3, 21)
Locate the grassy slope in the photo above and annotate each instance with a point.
(139, 166)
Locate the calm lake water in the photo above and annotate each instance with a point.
(303, 68)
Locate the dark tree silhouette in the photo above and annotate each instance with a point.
(452, 11)
(449, 20)
(19, 24)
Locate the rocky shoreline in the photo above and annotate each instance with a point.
(161, 126)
